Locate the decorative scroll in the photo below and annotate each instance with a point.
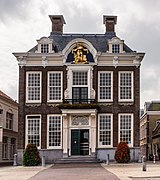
(80, 120)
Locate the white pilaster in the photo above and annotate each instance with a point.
(65, 136)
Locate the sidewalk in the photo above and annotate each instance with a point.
(134, 171)
(19, 172)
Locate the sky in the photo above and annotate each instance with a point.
(138, 24)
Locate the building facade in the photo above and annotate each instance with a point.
(8, 128)
(79, 94)
(150, 130)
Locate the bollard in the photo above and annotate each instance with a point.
(144, 163)
(154, 159)
(107, 159)
(43, 161)
(15, 160)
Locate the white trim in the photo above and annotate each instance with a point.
(72, 69)
(132, 127)
(132, 86)
(105, 100)
(49, 72)
(54, 147)
(105, 146)
(33, 72)
(79, 111)
(26, 129)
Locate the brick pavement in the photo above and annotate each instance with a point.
(75, 172)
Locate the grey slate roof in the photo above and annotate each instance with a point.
(99, 41)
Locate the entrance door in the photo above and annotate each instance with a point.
(80, 142)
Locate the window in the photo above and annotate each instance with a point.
(5, 148)
(80, 78)
(105, 130)
(44, 48)
(105, 86)
(33, 130)
(125, 86)
(55, 86)
(9, 120)
(115, 48)
(54, 131)
(13, 148)
(126, 128)
(33, 86)
(115, 45)
(80, 87)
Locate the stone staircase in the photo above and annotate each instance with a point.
(76, 159)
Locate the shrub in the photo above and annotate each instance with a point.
(31, 156)
(122, 154)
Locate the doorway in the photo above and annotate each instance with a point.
(80, 142)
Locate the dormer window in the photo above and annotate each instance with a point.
(115, 45)
(45, 45)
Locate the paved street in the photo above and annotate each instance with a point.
(75, 172)
(113, 171)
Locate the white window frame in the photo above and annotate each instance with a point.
(132, 127)
(33, 72)
(132, 86)
(105, 100)
(60, 100)
(26, 130)
(54, 147)
(99, 144)
(72, 69)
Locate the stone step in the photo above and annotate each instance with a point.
(76, 160)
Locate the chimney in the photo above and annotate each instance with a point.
(110, 22)
(57, 23)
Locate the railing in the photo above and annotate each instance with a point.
(79, 101)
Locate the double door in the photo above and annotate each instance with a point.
(80, 142)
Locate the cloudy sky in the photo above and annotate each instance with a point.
(23, 22)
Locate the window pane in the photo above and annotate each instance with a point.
(33, 132)
(55, 86)
(126, 85)
(9, 120)
(33, 86)
(80, 78)
(105, 85)
(54, 131)
(115, 48)
(44, 48)
(125, 128)
(105, 130)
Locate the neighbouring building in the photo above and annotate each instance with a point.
(150, 130)
(8, 128)
(79, 94)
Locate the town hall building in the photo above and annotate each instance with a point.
(79, 94)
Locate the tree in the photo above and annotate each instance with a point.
(31, 156)
(122, 154)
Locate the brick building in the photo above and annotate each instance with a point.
(79, 94)
(8, 128)
(150, 130)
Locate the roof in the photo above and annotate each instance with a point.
(99, 41)
(2, 94)
(154, 106)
